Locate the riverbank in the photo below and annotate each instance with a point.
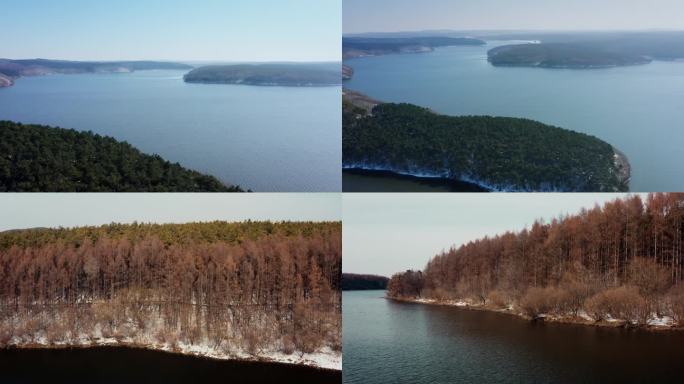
(623, 167)
(437, 182)
(323, 359)
(655, 323)
(5, 81)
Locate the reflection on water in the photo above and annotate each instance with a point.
(127, 365)
(391, 342)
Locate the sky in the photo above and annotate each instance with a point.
(29, 210)
(204, 30)
(413, 15)
(388, 233)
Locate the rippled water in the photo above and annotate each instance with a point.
(262, 138)
(391, 342)
(639, 109)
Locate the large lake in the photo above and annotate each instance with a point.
(282, 139)
(391, 342)
(639, 109)
(126, 365)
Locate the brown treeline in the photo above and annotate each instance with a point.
(622, 260)
(252, 286)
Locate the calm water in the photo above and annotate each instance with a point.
(390, 342)
(262, 138)
(125, 365)
(380, 181)
(640, 109)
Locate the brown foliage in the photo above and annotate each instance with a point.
(221, 282)
(623, 302)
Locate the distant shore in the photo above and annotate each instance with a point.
(654, 324)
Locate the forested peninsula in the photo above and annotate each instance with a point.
(587, 50)
(289, 75)
(620, 264)
(11, 70)
(353, 47)
(359, 282)
(36, 158)
(250, 290)
(561, 55)
(495, 153)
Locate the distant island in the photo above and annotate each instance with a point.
(38, 158)
(288, 75)
(356, 282)
(588, 50)
(353, 47)
(495, 153)
(560, 55)
(11, 70)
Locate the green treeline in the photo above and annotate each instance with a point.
(357, 282)
(497, 152)
(561, 55)
(291, 75)
(622, 261)
(227, 287)
(37, 158)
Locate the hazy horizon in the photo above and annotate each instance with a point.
(50, 210)
(389, 233)
(174, 30)
(382, 16)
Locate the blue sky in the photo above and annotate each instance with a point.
(411, 15)
(28, 210)
(388, 233)
(203, 30)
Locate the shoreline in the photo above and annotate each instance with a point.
(325, 360)
(438, 181)
(568, 320)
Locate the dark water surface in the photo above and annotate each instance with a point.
(637, 109)
(268, 139)
(391, 342)
(356, 180)
(127, 365)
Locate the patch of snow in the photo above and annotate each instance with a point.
(665, 321)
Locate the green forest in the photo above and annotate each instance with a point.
(561, 55)
(292, 75)
(36, 158)
(508, 154)
(621, 263)
(230, 288)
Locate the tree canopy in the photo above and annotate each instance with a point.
(36, 158)
(498, 153)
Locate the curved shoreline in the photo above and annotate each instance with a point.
(439, 181)
(569, 320)
(319, 360)
(428, 175)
